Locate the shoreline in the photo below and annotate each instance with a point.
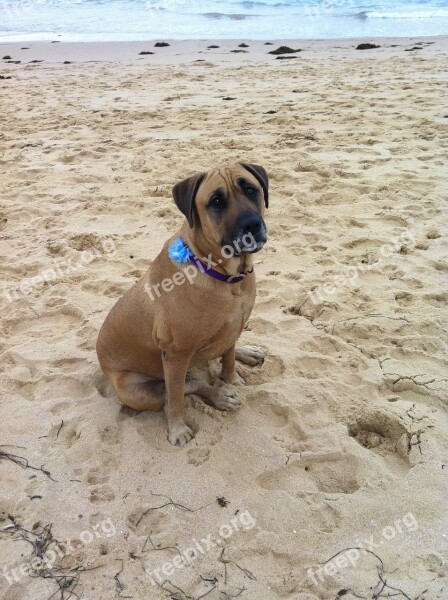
(225, 51)
(342, 434)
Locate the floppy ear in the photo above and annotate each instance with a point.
(184, 194)
(261, 176)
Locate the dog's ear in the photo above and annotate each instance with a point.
(261, 176)
(184, 194)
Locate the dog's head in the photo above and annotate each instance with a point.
(227, 204)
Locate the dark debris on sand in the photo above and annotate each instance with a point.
(23, 462)
(366, 46)
(209, 47)
(161, 44)
(284, 50)
(243, 45)
(144, 52)
(42, 542)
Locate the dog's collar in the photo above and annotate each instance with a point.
(216, 274)
(181, 253)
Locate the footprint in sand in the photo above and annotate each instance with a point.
(385, 435)
(198, 456)
(55, 302)
(272, 367)
(154, 521)
(59, 393)
(110, 435)
(46, 326)
(97, 475)
(334, 473)
(101, 495)
(36, 489)
(404, 298)
(362, 243)
(66, 433)
(267, 409)
(110, 290)
(438, 300)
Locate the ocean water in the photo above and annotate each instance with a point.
(88, 20)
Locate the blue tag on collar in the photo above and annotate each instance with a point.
(179, 251)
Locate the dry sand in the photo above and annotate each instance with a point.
(342, 437)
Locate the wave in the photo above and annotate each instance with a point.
(233, 17)
(437, 13)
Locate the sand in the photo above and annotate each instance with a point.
(341, 441)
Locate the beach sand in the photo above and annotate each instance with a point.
(342, 438)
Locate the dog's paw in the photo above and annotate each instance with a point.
(225, 399)
(250, 355)
(179, 434)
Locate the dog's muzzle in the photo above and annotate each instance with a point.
(250, 235)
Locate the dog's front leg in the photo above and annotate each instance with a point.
(228, 371)
(175, 368)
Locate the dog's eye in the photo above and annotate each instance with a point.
(251, 193)
(216, 201)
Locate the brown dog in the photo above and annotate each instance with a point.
(182, 313)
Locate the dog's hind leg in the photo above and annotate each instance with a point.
(140, 392)
(137, 390)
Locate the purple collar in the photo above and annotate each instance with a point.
(216, 274)
(181, 253)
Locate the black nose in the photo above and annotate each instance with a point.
(251, 224)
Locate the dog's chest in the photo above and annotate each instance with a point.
(224, 327)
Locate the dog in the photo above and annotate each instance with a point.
(192, 304)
